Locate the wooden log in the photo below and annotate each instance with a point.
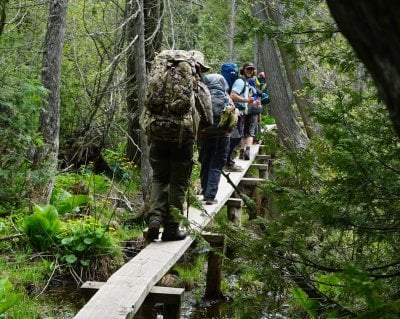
(214, 271)
(251, 181)
(263, 157)
(234, 210)
(262, 170)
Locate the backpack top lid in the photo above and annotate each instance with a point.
(216, 81)
(194, 57)
(230, 71)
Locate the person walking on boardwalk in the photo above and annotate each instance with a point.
(214, 140)
(176, 101)
(241, 95)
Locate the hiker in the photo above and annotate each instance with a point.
(214, 140)
(169, 120)
(242, 96)
(230, 71)
(252, 119)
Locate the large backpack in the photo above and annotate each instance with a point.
(230, 71)
(170, 105)
(223, 116)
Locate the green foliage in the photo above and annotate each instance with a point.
(42, 227)
(8, 297)
(123, 169)
(309, 305)
(81, 241)
(66, 202)
(20, 102)
(190, 274)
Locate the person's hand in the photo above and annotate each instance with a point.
(250, 99)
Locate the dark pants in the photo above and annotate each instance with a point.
(212, 156)
(172, 166)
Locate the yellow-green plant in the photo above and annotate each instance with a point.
(81, 240)
(7, 297)
(42, 227)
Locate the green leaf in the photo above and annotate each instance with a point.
(80, 247)
(88, 241)
(85, 262)
(71, 259)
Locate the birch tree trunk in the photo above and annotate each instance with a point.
(289, 132)
(45, 160)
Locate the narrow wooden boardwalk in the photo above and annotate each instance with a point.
(125, 291)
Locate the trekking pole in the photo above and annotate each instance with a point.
(247, 200)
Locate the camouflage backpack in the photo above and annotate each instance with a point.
(170, 106)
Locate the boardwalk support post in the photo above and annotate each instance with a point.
(214, 272)
(169, 298)
(234, 210)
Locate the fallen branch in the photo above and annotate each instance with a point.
(10, 237)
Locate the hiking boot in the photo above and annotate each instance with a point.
(241, 154)
(178, 234)
(153, 230)
(211, 201)
(246, 153)
(172, 233)
(230, 163)
(233, 168)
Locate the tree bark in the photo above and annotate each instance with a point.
(232, 29)
(289, 132)
(137, 89)
(372, 29)
(295, 76)
(2, 15)
(45, 160)
(153, 28)
(133, 143)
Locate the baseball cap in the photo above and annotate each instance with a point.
(248, 65)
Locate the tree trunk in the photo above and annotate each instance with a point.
(45, 161)
(289, 132)
(2, 15)
(133, 144)
(136, 91)
(153, 28)
(295, 76)
(232, 29)
(373, 28)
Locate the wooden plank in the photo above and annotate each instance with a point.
(234, 202)
(264, 157)
(252, 181)
(260, 166)
(125, 291)
(212, 238)
(168, 295)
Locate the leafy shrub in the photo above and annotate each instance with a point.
(42, 227)
(7, 297)
(81, 240)
(20, 102)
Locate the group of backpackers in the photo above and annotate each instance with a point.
(221, 111)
